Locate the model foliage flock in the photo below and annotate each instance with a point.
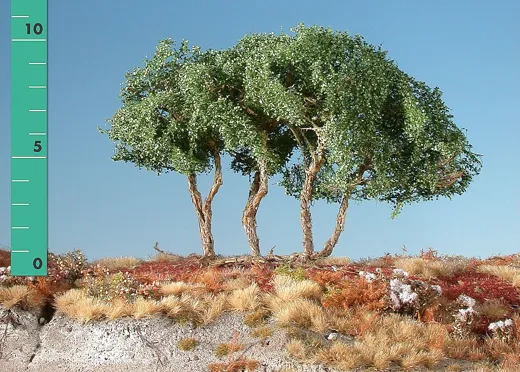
(330, 113)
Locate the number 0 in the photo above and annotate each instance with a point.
(37, 263)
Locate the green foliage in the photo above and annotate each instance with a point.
(295, 273)
(157, 127)
(381, 133)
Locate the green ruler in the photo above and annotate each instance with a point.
(29, 233)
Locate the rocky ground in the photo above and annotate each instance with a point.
(65, 345)
(127, 344)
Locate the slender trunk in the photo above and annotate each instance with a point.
(305, 203)
(338, 229)
(257, 192)
(203, 210)
(329, 245)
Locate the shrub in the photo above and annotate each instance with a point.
(357, 292)
(262, 275)
(110, 286)
(66, 267)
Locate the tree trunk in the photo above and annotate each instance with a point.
(257, 192)
(203, 210)
(329, 245)
(338, 229)
(305, 203)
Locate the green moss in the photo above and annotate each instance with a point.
(222, 350)
(187, 344)
(295, 273)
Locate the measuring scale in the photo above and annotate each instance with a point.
(29, 232)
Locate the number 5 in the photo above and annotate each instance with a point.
(37, 146)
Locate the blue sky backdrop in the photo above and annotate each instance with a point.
(105, 208)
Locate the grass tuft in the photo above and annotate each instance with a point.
(187, 344)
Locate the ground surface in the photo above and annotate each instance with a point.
(300, 297)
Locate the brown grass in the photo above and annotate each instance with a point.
(350, 305)
(297, 349)
(20, 296)
(493, 309)
(143, 308)
(77, 305)
(302, 312)
(261, 332)
(507, 273)
(117, 263)
(428, 269)
(340, 356)
(245, 299)
(333, 261)
(180, 287)
(235, 366)
(256, 318)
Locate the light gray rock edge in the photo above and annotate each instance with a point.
(150, 344)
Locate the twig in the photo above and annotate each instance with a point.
(156, 247)
(157, 351)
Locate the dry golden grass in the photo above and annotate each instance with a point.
(166, 257)
(401, 340)
(335, 261)
(416, 358)
(494, 309)
(245, 299)
(20, 296)
(297, 349)
(429, 269)
(185, 308)
(256, 318)
(340, 356)
(142, 308)
(287, 289)
(302, 312)
(236, 283)
(215, 306)
(180, 287)
(507, 273)
(75, 304)
(118, 263)
(261, 332)
(118, 308)
(464, 348)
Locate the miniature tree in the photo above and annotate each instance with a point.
(157, 127)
